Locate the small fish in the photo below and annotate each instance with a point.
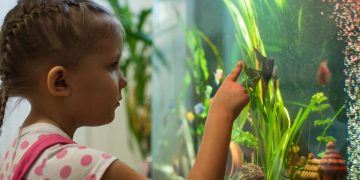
(254, 77)
(267, 66)
(275, 73)
(275, 77)
(323, 74)
(218, 75)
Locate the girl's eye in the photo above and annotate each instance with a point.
(114, 66)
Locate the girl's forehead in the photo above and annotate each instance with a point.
(109, 47)
(109, 44)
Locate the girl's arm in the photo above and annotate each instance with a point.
(119, 170)
(228, 102)
(210, 164)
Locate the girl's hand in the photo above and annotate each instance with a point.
(229, 100)
(231, 97)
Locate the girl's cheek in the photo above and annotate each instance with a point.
(116, 78)
(114, 75)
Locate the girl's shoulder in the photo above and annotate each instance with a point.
(70, 161)
(59, 161)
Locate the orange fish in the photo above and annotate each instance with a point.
(323, 74)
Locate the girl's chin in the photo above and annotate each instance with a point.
(103, 121)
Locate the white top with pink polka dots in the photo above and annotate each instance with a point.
(70, 161)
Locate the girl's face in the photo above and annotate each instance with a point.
(97, 84)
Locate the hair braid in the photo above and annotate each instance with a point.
(17, 24)
(10, 31)
(4, 99)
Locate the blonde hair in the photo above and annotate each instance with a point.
(52, 32)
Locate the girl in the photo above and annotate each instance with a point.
(63, 56)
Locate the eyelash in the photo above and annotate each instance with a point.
(114, 66)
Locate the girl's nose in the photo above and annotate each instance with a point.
(122, 80)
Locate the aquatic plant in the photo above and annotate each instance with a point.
(247, 34)
(326, 123)
(274, 139)
(269, 116)
(271, 124)
(200, 81)
(244, 138)
(197, 79)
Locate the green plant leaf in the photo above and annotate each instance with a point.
(280, 3)
(241, 119)
(321, 107)
(318, 98)
(214, 49)
(321, 154)
(200, 129)
(321, 122)
(161, 57)
(144, 14)
(141, 36)
(245, 138)
(326, 138)
(300, 19)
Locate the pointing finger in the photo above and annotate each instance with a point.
(233, 76)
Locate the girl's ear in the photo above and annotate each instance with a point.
(57, 81)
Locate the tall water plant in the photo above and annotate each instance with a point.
(272, 126)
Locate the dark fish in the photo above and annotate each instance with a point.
(253, 77)
(267, 66)
(323, 74)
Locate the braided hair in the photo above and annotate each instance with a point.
(47, 32)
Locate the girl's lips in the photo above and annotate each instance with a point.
(118, 103)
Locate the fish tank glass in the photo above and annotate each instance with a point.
(302, 73)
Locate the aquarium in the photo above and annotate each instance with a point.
(302, 73)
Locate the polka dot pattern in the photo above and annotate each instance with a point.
(61, 154)
(14, 155)
(91, 177)
(82, 147)
(106, 156)
(86, 160)
(24, 145)
(14, 167)
(63, 161)
(7, 154)
(65, 171)
(39, 170)
(14, 143)
(42, 136)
